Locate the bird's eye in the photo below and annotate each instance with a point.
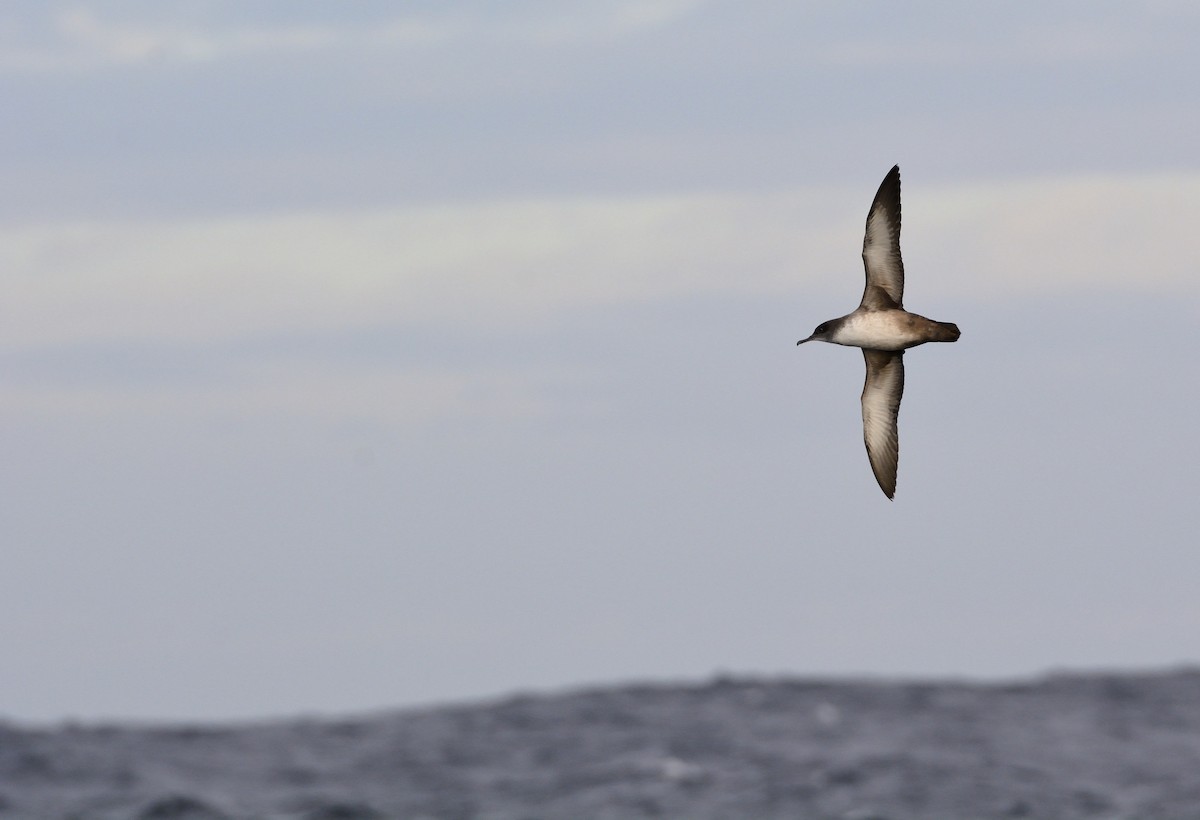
(820, 329)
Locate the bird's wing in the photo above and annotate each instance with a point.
(881, 247)
(881, 395)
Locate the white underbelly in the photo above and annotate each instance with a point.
(879, 330)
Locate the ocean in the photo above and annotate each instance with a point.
(1058, 747)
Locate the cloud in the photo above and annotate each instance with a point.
(491, 264)
(1058, 37)
(599, 22)
(1042, 236)
(357, 317)
(85, 41)
(502, 264)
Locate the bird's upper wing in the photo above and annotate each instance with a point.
(881, 395)
(881, 247)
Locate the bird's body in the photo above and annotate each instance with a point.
(884, 330)
(887, 329)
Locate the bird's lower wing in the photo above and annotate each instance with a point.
(881, 396)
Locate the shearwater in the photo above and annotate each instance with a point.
(884, 330)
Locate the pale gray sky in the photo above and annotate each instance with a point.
(395, 354)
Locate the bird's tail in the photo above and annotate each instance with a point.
(946, 332)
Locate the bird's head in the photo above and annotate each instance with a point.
(821, 334)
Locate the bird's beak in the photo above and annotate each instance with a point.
(802, 341)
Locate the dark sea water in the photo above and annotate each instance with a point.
(1070, 746)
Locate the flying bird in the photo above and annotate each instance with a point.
(884, 330)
